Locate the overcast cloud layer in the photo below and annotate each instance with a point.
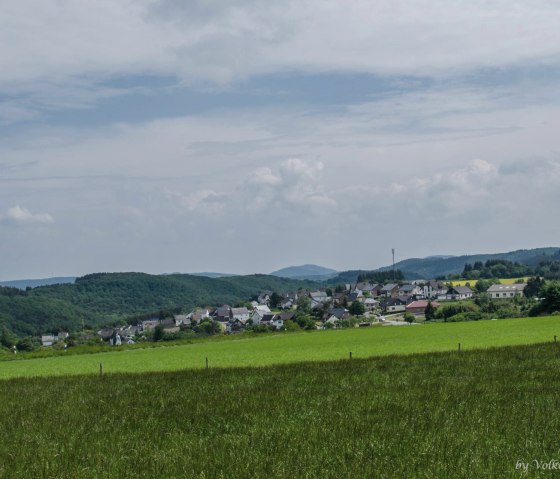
(164, 135)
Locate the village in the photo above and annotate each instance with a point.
(358, 304)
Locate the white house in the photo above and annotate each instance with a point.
(242, 314)
(47, 340)
(459, 292)
(370, 304)
(506, 291)
(259, 312)
(318, 298)
(395, 305)
(410, 290)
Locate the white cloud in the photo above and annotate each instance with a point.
(297, 185)
(22, 216)
(264, 177)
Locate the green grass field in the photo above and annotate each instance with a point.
(438, 415)
(297, 347)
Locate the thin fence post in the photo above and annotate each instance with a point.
(459, 347)
(101, 369)
(350, 354)
(206, 363)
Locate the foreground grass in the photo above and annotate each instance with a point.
(438, 415)
(298, 347)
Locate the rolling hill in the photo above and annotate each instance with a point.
(442, 266)
(102, 298)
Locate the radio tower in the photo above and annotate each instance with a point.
(393, 251)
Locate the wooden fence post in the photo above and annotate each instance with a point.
(101, 369)
(206, 363)
(350, 354)
(459, 347)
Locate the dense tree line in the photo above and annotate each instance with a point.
(381, 276)
(500, 268)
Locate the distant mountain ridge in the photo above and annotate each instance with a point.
(209, 274)
(442, 266)
(34, 283)
(311, 272)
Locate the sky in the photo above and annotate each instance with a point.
(246, 136)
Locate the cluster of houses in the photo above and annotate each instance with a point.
(332, 307)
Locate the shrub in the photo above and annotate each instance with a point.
(409, 318)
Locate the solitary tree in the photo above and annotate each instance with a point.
(275, 300)
(357, 308)
(550, 293)
(7, 339)
(409, 318)
(159, 332)
(304, 305)
(430, 311)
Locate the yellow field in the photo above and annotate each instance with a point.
(472, 282)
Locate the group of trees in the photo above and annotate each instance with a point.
(500, 268)
(9, 340)
(386, 276)
(496, 268)
(549, 294)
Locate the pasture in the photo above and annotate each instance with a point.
(282, 348)
(461, 415)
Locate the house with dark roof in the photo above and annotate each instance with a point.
(395, 305)
(235, 326)
(259, 312)
(339, 313)
(286, 303)
(288, 316)
(356, 295)
(265, 318)
(459, 293)
(435, 289)
(390, 290)
(410, 290)
(222, 314)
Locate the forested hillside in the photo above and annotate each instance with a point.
(102, 298)
(433, 267)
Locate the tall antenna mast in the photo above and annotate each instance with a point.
(393, 251)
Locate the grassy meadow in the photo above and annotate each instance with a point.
(282, 348)
(436, 415)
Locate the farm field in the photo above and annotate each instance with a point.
(461, 415)
(472, 282)
(297, 347)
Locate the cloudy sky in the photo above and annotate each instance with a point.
(202, 135)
